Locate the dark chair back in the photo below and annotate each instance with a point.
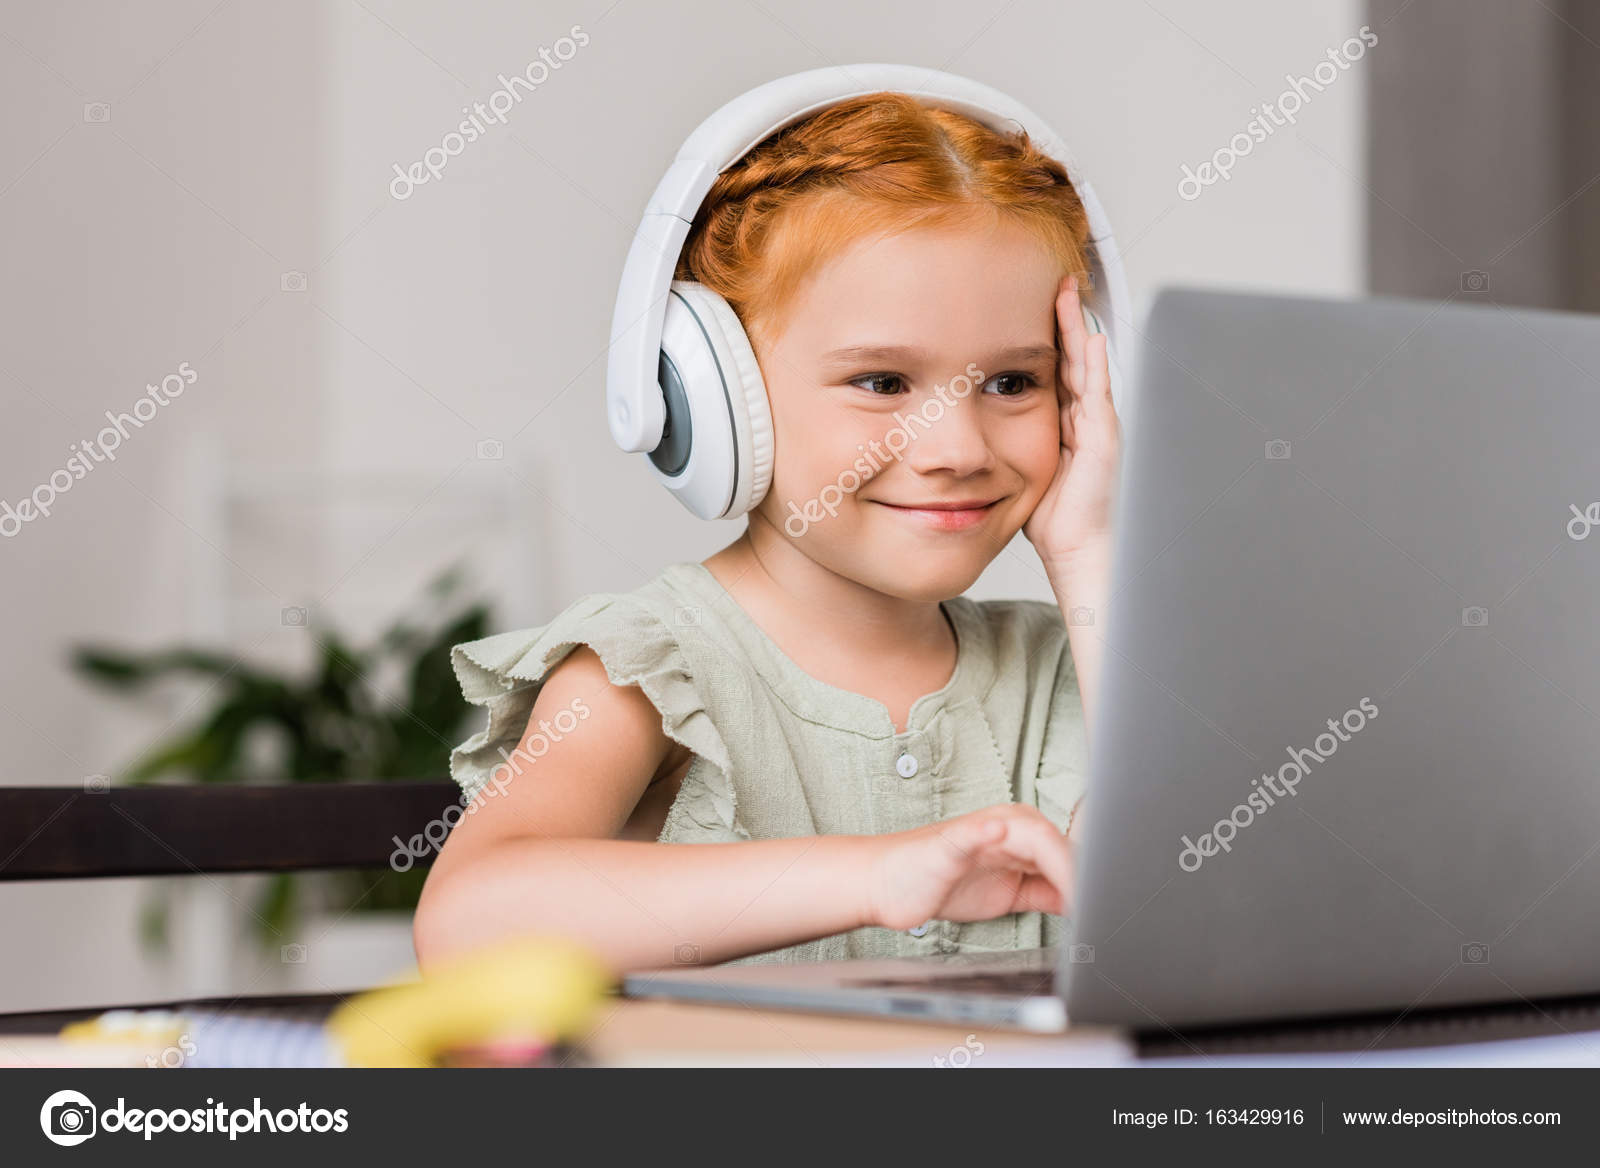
(53, 833)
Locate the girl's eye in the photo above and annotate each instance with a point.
(1013, 384)
(1010, 384)
(886, 384)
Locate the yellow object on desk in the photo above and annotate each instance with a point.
(155, 1037)
(539, 989)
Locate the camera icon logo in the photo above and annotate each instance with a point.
(67, 1118)
(961, 1056)
(1081, 615)
(686, 954)
(1475, 953)
(293, 617)
(96, 111)
(292, 282)
(96, 784)
(1278, 449)
(1475, 617)
(687, 614)
(1081, 954)
(293, 954)
(1474, 281)
(491, 449)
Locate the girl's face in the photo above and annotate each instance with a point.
(912, 374)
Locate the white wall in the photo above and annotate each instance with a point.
(250, 139)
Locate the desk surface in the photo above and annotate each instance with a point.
(630, 1033)
(657, 1033)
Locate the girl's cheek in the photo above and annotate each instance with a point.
(1038, 467)
(816, 451)
(1034, 447)
(806, 472)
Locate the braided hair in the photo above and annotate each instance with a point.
(875, 164)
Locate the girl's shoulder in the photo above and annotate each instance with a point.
(1024, 639)
(629, 630)
(620, 626)
(1019, 617)
(647, 637)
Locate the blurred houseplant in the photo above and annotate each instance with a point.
(331, 725)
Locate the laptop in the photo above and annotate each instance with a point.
(1347, 754)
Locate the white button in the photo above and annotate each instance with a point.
(906, 764)
(920, 929)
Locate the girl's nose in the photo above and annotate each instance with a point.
(948, 436)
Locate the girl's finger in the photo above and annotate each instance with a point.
(1069, 319)
(1036, 892)
(1098, 411)
(1041, 846)
(969, 836)
(1071, 419)
(1055, 858)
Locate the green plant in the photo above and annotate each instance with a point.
(330, 725)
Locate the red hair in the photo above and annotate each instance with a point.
(876, 164)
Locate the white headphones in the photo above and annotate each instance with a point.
(682, 382)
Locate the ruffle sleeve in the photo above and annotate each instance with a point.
(505, 672)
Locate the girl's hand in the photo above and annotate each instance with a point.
(997, 860)
(1074, 514)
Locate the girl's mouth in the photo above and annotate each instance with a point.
(954, 515)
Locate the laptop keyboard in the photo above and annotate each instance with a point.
(1014, 983)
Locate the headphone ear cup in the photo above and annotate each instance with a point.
(740, 388)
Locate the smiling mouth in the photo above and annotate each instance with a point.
(948, 516)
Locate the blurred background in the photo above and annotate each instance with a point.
(384, 384)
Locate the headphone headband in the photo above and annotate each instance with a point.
(635, 403)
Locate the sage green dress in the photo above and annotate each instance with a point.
(779, 754)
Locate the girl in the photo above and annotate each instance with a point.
(886, 767)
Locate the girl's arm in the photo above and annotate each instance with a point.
(1082, 587)
(1071, 526)
(542, 857)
